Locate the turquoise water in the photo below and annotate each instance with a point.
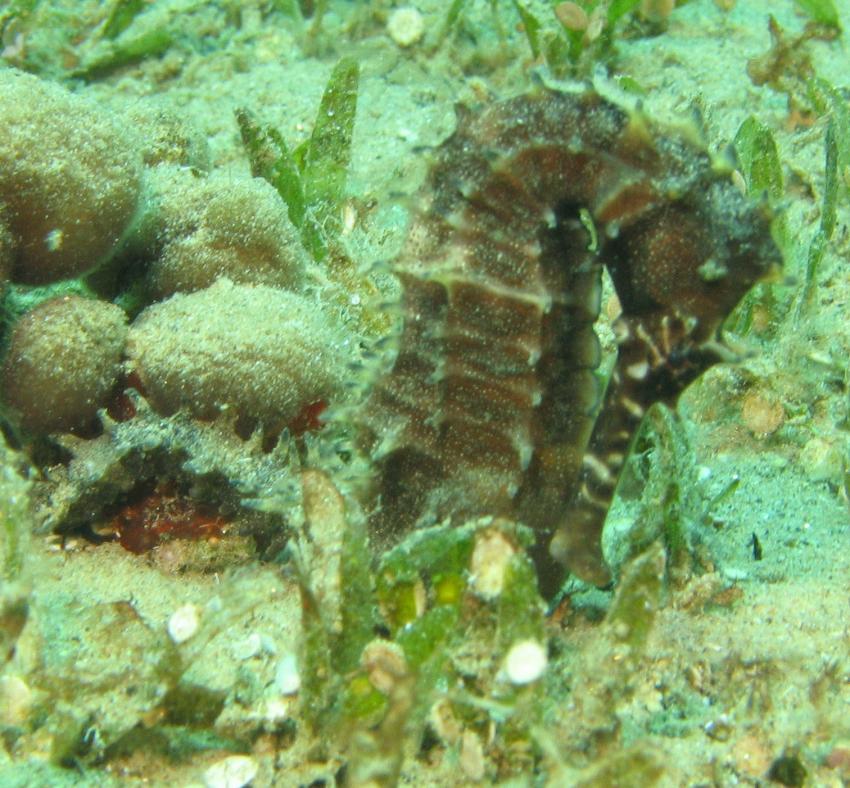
(223, 563)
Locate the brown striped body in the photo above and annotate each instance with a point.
(491, 403)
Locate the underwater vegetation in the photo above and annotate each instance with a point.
(311, 179)
(273, 513)
(568, 36)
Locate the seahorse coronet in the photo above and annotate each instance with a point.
(493, 405)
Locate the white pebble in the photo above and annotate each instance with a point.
(525, 662)
(488, 566)
(233, 772)
(15, 701)
(287, 679)
(406, 26)
(183, 623)
(276, 710)
(822, 461)
(249, 647)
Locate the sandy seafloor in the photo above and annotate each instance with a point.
(746, 665)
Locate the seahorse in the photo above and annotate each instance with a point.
(493, 404)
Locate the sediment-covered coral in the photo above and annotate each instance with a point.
(205, 461)
(203, 228)
(213, 365)
(261, 353)
(63, 361)
(69, 177)
(168, 138)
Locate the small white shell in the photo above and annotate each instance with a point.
(526, 661)
(184, 623)
(287, 678)
(406, 26)
(237, 771)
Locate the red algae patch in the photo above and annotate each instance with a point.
(63, 362)
(161, 515)
(261, 353)
(69, 178)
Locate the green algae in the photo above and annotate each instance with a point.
(761, 167)
(290, 8)
(831, 105)
(531, 26)
(823, 234)
(520, 612)
(272, 160)
(103, 40)
(759, 157)
(619, 8)
(335, 626)
(320, 684)
(432, 612)
(566, 52)
(311, 179)
(424, 642)
(442, 548)
(121, 16)
(125, 52)
(638, 598)
(659, 479)
(15, 516)
(357, 614)
(828, 101)
(15, 529)
(362, 703)
(823, 12)
(327, 155)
